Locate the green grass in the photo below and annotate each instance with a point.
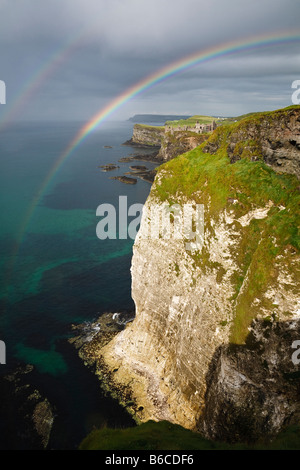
(167, 436)
(192, 121)
(146, 126)
(255, 115)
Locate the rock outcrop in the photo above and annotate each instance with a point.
(210, 347)
(168, 145)
(179, 142)
(253, 390)
(27, 416)
(273, 137)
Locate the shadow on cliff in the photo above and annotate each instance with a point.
(253, 390)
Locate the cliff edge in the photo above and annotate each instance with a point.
(211, 345)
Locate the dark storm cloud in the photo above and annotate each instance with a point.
(116, 43)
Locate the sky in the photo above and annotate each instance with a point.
(68, 59)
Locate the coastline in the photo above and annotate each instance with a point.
(38, 326)
(132, 143)
(138, 366)
(89, 340)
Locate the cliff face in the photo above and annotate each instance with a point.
(146, 136)
(211, 345)
(177, 143)
(253, 390)
(169, 145)
(273, 137)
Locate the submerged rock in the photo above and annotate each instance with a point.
(138, 168)
(109, 167)
(124, 179)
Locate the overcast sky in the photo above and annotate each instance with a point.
(67, 59)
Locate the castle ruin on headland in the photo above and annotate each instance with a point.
(198, 128)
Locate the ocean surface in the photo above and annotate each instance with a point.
(54, 270)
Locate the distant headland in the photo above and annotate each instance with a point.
(156, 117)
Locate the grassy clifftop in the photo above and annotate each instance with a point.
(191, 121)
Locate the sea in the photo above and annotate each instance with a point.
(55, 271)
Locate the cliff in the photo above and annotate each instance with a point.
(176, 143)
(211, 345)
(168, 145)
(271, 137)
(146, 136)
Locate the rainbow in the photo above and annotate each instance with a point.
(165, 73)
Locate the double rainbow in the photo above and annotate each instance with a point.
(165, 73)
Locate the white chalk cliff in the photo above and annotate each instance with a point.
(211, 344)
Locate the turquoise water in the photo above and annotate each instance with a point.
(54, 269)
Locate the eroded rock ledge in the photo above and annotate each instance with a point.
(167, 145)
(253, 390)
(273, 137)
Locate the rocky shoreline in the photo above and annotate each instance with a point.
(136, 171)
(139, 171)
(132, 143)
(27, 415)
(142, 172)
(152, 157)
(89, 340)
